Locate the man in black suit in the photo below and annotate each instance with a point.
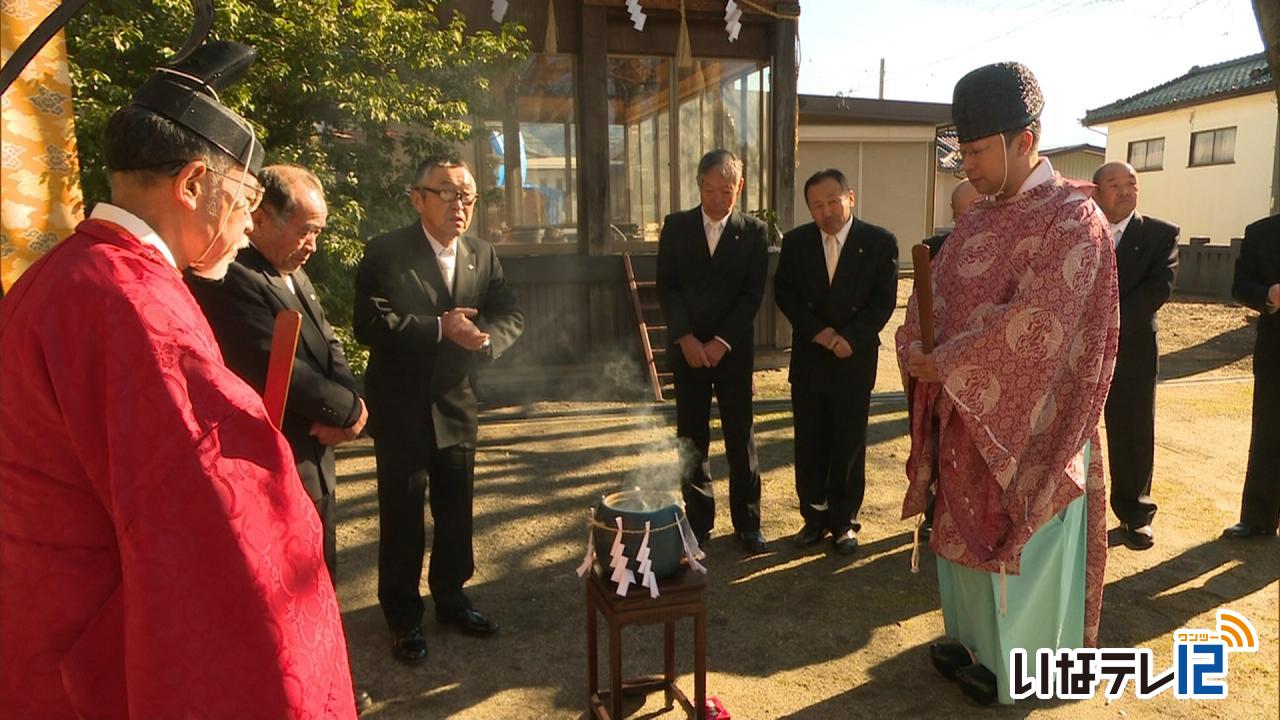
(837, 283)
(962, 196)
(1257, 285)
(323, 408)
(432, 306)
(1146, 262)
(712, 266)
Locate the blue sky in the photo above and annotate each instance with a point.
(1085, 53)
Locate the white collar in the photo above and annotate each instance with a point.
(441, 250)
(1117, 229)
(708, 223)
(842, 234)
(133, 225)
(1040, 174)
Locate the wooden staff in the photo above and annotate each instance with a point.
(284, 343)
(924, 295)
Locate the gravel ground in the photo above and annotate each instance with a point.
(807, 634)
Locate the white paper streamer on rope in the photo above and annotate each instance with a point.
(499, 10)
(637, 14)
(691, 549)
(647, 578)
(732, 20)
(621, 575)
(587, 559)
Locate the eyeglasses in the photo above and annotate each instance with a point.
(253, 193)
(448, 194)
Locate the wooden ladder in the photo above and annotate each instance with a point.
(652, 327)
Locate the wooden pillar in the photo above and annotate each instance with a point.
(784, 75)
(593, 132)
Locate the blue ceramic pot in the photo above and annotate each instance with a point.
(661, 510)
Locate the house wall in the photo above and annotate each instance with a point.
(1077, 164)
(1214, 201)
(889, 167)
(946, 184)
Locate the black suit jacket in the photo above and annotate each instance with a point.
(242, 309)
(856, 303)
(1146, 263)
(1257, 269)
(712, 296)
(416, 383)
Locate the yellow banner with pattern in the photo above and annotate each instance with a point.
(40, 182)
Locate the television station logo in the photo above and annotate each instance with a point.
(1199, 670)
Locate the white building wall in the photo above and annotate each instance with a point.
(1214, 201)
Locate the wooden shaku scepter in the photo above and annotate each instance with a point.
(284, 343)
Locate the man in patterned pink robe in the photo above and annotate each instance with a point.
(1005, 410)
(158, 555)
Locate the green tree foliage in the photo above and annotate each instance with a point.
(356, 90)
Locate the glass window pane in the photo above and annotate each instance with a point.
(639, 100)
(527, 164)
(1202, 148)
(1224, 145)
(1155, 153)
(1138, 155)
(717, 104)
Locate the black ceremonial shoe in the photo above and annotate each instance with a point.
(978, 684)
(1245, 530)
(469, 621)
(752, 541)
(409, 648)
(947, 658)
(811, 534)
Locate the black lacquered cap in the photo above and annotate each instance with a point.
(186, 93)
(994, 99)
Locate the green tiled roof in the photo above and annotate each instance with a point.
(1242, 76)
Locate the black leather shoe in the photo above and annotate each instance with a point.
(363, 701)
(1241, 530)
(847, 543)
(752, 541)
(469, 621)
(811, 534)
(947, 658)
(1136, 538)
(702, 538)
(978, 683)
(409, 648)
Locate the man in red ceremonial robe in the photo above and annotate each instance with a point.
(158, 555)
(1004, 411)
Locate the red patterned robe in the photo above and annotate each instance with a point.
(158, 556)
(1026, 323)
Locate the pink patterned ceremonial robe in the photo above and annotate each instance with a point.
(1026, 326)
(158, 555)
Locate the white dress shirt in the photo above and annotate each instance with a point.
(833, 253)
(133, 225)
(713, 228)
(447, 259)
(1117, 229)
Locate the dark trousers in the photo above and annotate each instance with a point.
(732, 388)
(406, 472)
(326, 508)
(831, 456)
(1260, 506)
(1131, 430)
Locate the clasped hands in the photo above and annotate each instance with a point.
(834, 342)
(700, 354)
(457, 327)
